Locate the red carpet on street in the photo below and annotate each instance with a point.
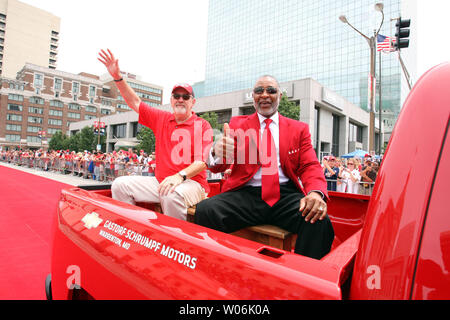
(27, 209)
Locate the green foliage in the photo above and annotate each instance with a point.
(58, 141)
(83, 140)
(211, 117)
(288, 108)
(87, 139)
(147, 140)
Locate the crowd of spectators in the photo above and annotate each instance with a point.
(94, 165)
(351, 175)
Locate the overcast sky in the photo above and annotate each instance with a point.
(164, 41)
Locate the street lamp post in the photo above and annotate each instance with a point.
(372, 41)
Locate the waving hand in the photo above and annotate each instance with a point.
(110, 62)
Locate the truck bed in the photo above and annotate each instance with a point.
(124, 251)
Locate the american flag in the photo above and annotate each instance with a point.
(384, 43)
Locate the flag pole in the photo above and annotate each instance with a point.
(379, 107)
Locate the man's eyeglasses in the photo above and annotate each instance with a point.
(185, 97)
(269, 90)
(352, 164)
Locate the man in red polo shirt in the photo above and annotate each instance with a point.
(182, 144)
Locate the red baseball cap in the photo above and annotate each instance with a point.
(184, 86)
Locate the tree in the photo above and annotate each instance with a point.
(211, 117)
(74, 142)
(288, 108)
(59, 141)
(87, 139)
(146, 139)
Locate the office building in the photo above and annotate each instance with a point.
(301, 39)
(27, 35)
(41, 99)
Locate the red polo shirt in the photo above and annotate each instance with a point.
(177, 145)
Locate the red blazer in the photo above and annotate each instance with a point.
(297, 156)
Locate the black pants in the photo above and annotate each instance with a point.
(233, 210)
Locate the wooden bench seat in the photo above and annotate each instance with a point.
(265, 234)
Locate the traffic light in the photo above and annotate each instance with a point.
(402, 32)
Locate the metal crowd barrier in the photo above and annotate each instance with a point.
(101, 171)
(365, 188)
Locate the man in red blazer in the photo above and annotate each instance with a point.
(275, 179)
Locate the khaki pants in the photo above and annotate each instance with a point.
(132, 189)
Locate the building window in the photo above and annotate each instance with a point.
(55, 122)
(335, 138)
(144, 88)
(53, 130)
(123, 106)
(33, 139)
(15, 97)
(74, 106)
(33, 129)
(355, 133)
(14, 107)
(32, 119)
(36, 100)
(75, 90)
(36, 110)
(57, 113)
(91, 109)
(13, 117)
(92, 91)
(73, 115)
(38, 80)
(16, 86)
(316, 130)
(119, 131)
(106, 102)
(58, 84)
(148, 96)
(223, 116)
(136, 128)
(12, 137)
(13, 127)
(56, 103)
(105, 111)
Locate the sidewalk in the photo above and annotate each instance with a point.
(64, 178)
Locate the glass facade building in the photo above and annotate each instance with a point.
(296, 39)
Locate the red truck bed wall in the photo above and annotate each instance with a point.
(387, 258)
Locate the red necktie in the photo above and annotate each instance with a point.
(270, 183)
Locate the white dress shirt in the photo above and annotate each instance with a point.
(274, 128)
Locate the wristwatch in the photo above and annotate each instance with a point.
(183, 174)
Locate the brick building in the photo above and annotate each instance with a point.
(44, 99)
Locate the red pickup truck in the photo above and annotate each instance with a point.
(392, 245)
